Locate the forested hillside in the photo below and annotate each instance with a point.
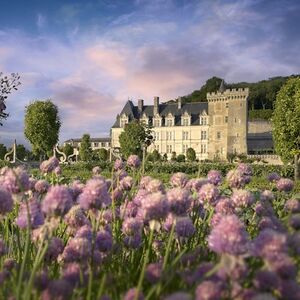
(261, 98)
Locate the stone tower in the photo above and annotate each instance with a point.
(227, 110)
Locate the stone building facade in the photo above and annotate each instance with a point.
(213, 129)
(96, 143)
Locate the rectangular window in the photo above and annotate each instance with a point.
(169, 148)
(169, 122)
(156, 123)
(96, 144)
(169, 136)
(203, 121)
(226, 105)
(185, 135)
(185, 122)
(218, 135)
(226, 119)
(235, 120)
(203, 135)
(203, 148)
(184, 148)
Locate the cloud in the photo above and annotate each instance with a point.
(41, 21)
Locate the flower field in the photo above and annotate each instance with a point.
(134, 237)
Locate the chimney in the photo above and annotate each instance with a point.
(179, 101)
(156, 105)
(140, 105)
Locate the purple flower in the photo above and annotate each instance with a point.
(209, 290)
(283, 265)
(229, 236)
(216, 219)
(179, 200)
(294, 221)
(15, 180)
(126, 183)
(154, 186)
(57, 201)
(41, 280)
(49, 165)
(35, 213)
(245, 169)
(179, 296)
(285, 185)
(184, 227)
(94, 195)
(128, 209)
(153, 272)
(144, 181)
(55, 247)
(71, 273)
(273, 177)
(266, 195)
(76, 218)
(118, 165)
(57, 289)
(289, 289)
(214, 177)
(179, 180)
(169, 221)
(133, 241)
(208, 193)
(269, 243)
(41, 186)
(292, 205)
(236, 179)
(154, 206)
(224, 206)
(132, 295)
(96, 170)
(133, 161)
(85, 232)
(242, 198)
(195, 184)
(266, 280)
(32, 182)
(132, 226)
(104, 241)
(76, 188)
(6, 202)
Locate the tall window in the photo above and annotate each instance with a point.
(156, 122)
(185, 135)
(169, 122)
(218, 135)
(226, 119)
(156, 136)
(169, 148)
(123, 123)
(184, 148)
(169, 135)
(203, 120)
(203, 148)
(203, 135)
(185, 121)
(226, 105)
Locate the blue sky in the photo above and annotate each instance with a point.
(89, 57)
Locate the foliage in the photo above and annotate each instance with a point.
(173, 156)
(22, 152)
(102, 154)
(181, 158)
(42, 126)
(85, 150)
(68, 149)
(3, 151)
(156, 155)
(7, 85)
(190, 154)
(260, 114)
(286, 120)
(134, 137)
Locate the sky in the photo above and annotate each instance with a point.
(90, 57)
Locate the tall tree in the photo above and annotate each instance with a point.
(85, 150)
(3, 151)
(134, 137)
(190, 154)
(42, 126)
(68, 150)
(7, 85)
(286, 122)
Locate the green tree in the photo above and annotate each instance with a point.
(190, 154)
(7, 85)
(181, 158)
(42, 126)
(134, 137)
(102, 154)
(21, 152)
(3, 151)
(68, 149)
(85, 150)
(173, 156)
(155, 155)
(286, 122)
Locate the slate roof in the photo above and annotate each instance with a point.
(194, 109)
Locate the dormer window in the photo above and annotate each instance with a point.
(203, 118)
(144, 120)
(156, 121)
(186, 119)
(123, 120)
(169, 120)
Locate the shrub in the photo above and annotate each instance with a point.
(190, 154)
(181, 158)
